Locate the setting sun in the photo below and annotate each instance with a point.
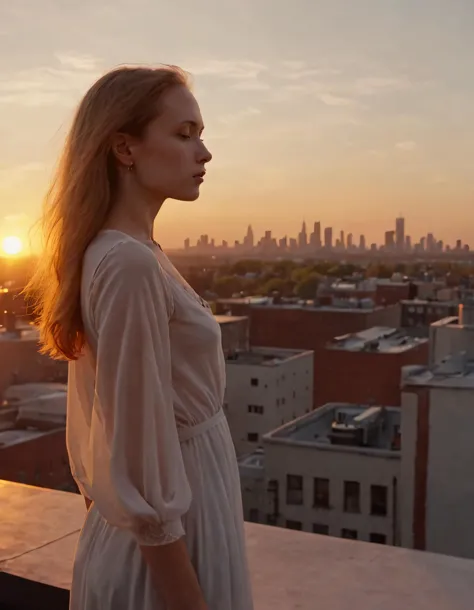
(12, 245)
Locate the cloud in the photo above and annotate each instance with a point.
(231, 119)
(49, 86)
(250, 85)
(334, 100)
(77, 62)
(406, 145)
(373, 85)
(231, 69)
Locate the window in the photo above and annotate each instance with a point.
(349, 534)
(294, 489)
(351, 497)
(283, 401)
(378, 538)
(378, 500)
(255, 409)
(254, 381)
(321, 493)
(294, 525)
(252, 437)
(253, 515)
(320, 528)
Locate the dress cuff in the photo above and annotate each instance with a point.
(150, 533)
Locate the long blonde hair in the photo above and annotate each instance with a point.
(82, 194)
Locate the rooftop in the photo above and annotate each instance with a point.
(14, 437)
(454, 372)
(229, 319)
(265, 356)
(428, 303)
(290, 570)
(353, 305)
(380, 339)
(344, 427)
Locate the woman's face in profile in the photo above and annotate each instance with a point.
(169, 160)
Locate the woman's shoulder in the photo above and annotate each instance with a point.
(114, 250)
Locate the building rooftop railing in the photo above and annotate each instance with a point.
(290, 570)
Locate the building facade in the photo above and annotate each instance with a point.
(334, 472)
(265, 389)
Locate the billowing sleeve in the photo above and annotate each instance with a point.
(138, 480)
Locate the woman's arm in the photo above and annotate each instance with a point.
(139, 480)
(174, 576)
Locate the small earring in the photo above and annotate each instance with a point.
(130, 167)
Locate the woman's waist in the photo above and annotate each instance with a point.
(187, 431)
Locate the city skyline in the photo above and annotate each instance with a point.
(327, 238)
(331, 110)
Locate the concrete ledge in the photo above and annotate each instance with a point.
(290, 570)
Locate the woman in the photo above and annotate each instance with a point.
(148, 442)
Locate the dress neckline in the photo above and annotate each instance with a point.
(142, 241)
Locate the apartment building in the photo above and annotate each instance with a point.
(266, 387)
(334, 471)
(438, 454)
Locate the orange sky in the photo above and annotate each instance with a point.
(347, 113)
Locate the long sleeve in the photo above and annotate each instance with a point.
(138, 480)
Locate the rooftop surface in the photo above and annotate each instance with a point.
(327, 426)
(263, 356)
(229, 319)
(290, 570)
(14, 436)
(349, 305)
(377, 339)
(454, 372)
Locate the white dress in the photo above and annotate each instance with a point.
(147, 438)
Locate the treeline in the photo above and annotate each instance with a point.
(290, 278)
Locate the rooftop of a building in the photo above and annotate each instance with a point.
(224, 319)
(350, 305)
(454, 372)
(428, 303)
(256, 459)
(266, 356)
(290, 570)
(11, 437)
(31, 410)
(379, 339)
(344, 427)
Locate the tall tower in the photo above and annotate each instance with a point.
(400, 233)
(249, 238)
(317, 234)
(303, 237)
(328, 238)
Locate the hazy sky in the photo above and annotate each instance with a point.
(344, 111)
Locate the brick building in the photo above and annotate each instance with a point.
(294, 326)
(365, 367)
(33, 436)
(20, 361)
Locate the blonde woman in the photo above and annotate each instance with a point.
(148, 442)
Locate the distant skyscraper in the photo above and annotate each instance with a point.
(342, 240)
(303, 237)
(362, 242)
(430, 242)
(349, 241)
(389, 240)
(317, 234)
(400, 233)
(328, 238)
(408, 243)
(187, 243)
(249, 238)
